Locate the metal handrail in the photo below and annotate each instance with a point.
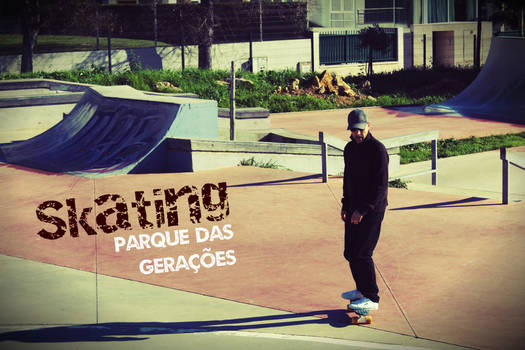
(509, 158)
(389, 143)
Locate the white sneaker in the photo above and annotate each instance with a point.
(352, 295)
(363, 304)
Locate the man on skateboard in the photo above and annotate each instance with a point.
(365, 188)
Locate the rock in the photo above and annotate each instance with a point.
(346, 91)
(366, 86)
(166, 86)
(237, 80)
(242, 80)
(343, 88)
(326, 81)
(316, 82)
(295, 85)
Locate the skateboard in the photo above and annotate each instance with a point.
(363, 316)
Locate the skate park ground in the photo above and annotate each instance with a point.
(449, 265)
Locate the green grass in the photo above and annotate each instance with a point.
(270, 164)
(416, 86)
(397, 183)
(206, 84)
(453, 147)
(11, 44)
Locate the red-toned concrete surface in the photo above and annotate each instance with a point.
(450, 268)
(390, 122)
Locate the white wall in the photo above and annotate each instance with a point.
(463, 41)
(273, 55)
(159, 58)
(268, 55)
(276, 55)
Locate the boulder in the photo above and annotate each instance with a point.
(343, 88)
(166, 86)
(366, 86)
(327, 82)
(295, 85)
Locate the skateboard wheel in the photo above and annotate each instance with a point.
(362, 320)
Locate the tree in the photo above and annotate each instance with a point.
(373, 38)
(65, 14)
(31, 22)
(206, 38)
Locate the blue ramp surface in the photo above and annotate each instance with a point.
(498, 92)
(111, 130)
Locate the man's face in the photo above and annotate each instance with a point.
(358, 135)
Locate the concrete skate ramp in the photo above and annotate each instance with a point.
(498, 92)
(114, 130)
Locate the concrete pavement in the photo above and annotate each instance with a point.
(287, 245)
(86, 311)
(283, 291)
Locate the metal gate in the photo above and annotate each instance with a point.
(345, 47)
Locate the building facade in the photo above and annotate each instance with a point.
(435, 32)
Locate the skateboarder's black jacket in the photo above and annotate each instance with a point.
(365, 184)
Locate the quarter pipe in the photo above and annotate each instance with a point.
(498, 92)
(111, 131)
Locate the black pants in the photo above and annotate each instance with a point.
(360, 242)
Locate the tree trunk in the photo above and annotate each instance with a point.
(206, 35)
(370, 60)
(30, 27)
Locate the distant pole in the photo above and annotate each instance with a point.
(232, 102)
(434, 162)
(478, 44)
(97, 24)
(251, 52)
(312, 53)
(323, 156)
(474, 46)
(155, 23)
(109, 50)
(424, 51)
(260, 21)
(182, 49)
(504, 175)
(394, 13)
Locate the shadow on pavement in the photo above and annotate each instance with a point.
(450, 204)
(128, 331)
(289, 181)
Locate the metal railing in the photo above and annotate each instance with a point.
(432, 136)
(345, 47)
(514, 158)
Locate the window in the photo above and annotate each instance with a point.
(342, 13)
(451, 10)
(386, 11)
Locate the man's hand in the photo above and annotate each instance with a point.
(356, 218)
(343, 215)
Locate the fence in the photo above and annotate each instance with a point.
(345, 47)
